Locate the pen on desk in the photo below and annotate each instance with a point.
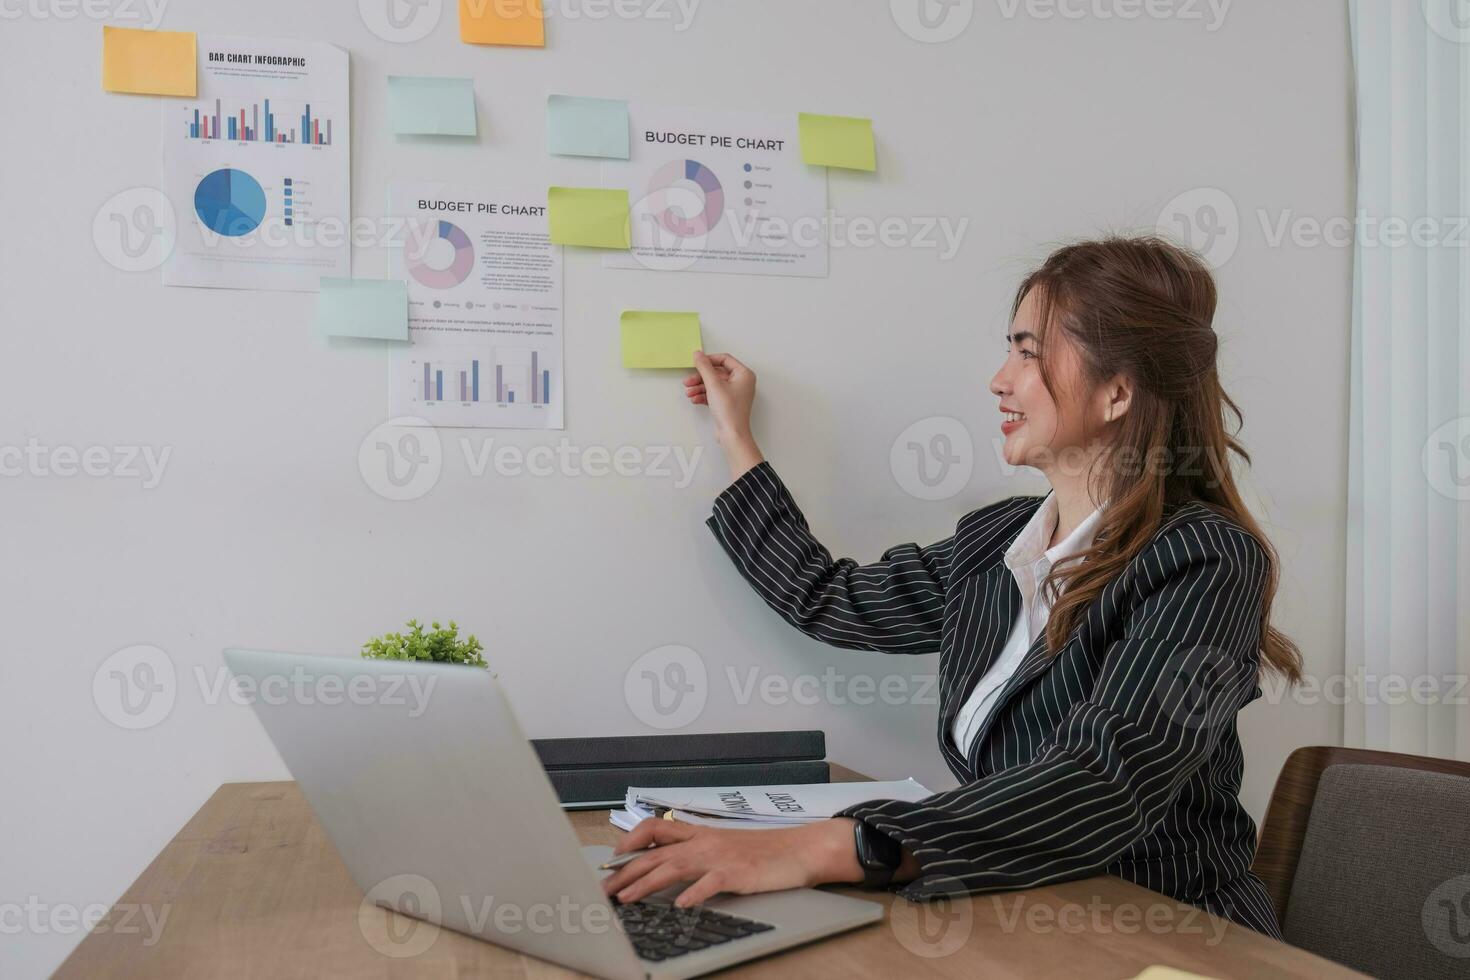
(620, 860)
(662, 813)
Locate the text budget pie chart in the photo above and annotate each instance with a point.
(443, 259)
(230, 202)
(676, 179)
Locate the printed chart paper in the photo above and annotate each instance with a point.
(257, 167)
(720, 192)
(484, 308)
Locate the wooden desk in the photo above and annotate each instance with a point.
(252, 887)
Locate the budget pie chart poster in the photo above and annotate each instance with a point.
(720, 192)
(484, 307)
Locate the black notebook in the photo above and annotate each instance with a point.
(596, 772)
(671, 750)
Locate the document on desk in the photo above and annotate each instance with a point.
(782, 806)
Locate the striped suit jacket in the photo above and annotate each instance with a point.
(1118, 755)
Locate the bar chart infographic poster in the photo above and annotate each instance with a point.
(720, 192)
(484, 308)
(257, 167)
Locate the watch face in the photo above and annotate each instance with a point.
(878, 851)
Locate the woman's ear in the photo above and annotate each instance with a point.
(1117, 395)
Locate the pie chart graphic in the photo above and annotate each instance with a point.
(230, 202)
(676, 180)
(441, 260)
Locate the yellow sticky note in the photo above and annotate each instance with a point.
(1168, 973)
(517, 22)
(591, 216)
(837, 141)
(660, 340)
(148, 62)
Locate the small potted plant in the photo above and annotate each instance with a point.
(437, 644)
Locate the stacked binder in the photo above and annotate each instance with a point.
(595, 773)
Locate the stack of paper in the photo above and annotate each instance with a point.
(757, 807)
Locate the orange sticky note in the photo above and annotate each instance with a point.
(148, 62)
(517, 22)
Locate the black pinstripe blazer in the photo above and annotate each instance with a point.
(1118, 755)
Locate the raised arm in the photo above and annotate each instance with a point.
(895, 605)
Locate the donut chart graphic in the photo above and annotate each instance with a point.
(680, 174)
(230, 202)
(455, 272)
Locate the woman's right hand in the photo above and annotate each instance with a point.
(728, 388)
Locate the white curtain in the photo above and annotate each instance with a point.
(1408, 574)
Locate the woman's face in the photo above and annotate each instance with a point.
(1046, 428)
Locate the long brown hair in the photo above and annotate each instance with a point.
(1144, 308)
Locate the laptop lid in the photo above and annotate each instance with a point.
(424, 782)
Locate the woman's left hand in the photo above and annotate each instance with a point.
(737, 861)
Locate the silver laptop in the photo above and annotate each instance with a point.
(441, 811)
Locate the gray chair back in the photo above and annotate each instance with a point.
(1382, 883)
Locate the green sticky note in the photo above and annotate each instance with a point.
(422, 105)
(660, 340)
(579, 127)
(373, 308)
(590, 216)
(837, 141)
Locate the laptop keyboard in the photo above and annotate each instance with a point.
(660, 932)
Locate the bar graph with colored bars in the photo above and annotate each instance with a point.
(445, 381)
(252, 129)
(512, 383)
(520, 379)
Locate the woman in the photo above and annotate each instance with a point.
(1095, 644)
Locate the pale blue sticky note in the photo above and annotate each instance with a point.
(581, 127)
(373, 308)
(423, 105)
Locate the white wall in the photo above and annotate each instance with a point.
(264, 533)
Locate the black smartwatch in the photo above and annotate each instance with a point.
(879, 854)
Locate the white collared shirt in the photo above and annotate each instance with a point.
(1029, 560)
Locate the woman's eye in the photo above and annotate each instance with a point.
(1027, 355)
